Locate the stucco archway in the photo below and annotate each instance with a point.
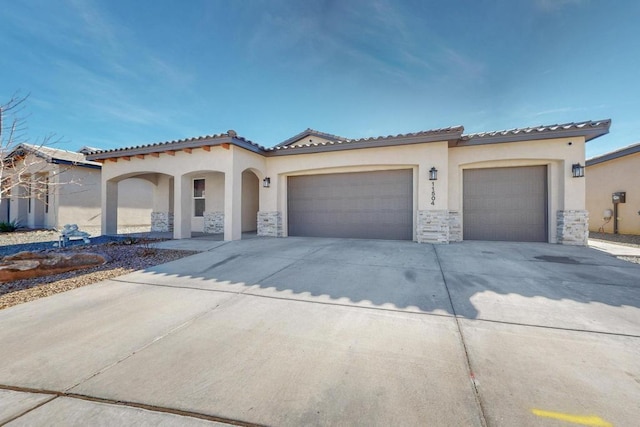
(250, 200)
(138, 202)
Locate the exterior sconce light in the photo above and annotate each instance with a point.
(433, 174)
(266, 183)
(577, 170)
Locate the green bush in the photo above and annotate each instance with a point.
(8, 226)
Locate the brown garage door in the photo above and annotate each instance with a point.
(367, 205)
(507, 204)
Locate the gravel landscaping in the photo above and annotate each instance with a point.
(632, 240)
(124, 255)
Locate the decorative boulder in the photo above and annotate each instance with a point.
(25, 265)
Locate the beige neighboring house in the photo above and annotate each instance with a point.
(435, 186)
(614, 172)
(62, 187)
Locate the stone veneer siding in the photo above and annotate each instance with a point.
(214, 222)
(270, 224)
(573, 227)
(162, 221)
(433, 226)
(455, 226)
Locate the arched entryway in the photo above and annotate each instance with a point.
(138, 202)
(250, 201)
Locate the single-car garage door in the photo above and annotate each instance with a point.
(508, 204)
(367, 205)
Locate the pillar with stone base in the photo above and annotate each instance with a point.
(572, 227)
(433, 226)
(161, 222)
(270, 224)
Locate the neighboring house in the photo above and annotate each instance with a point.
(513, 185)
(61, 187)
(614, 172)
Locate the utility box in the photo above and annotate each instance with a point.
(619, 197)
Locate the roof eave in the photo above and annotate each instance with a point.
(634, 149)
(176, 146)
(587, 133)
(366, 143)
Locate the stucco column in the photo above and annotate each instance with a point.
(109, 207)
(182, 208)
(161, 192)
(233, 205)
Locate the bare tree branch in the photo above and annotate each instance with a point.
(25, 168)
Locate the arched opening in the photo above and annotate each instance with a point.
(250, 201)
(139, 203)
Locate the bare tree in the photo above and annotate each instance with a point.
(30, 171)
(24, 166)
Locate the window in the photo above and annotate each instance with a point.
(46, 194)
(198, 197)
(6, 187)
(28, 194)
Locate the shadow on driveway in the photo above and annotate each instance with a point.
(558, 285)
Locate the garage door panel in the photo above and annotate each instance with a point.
(507, 204)
(374, 205)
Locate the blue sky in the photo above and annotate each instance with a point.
(111, 73)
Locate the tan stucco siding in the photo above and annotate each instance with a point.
(564, 192)
(603, 179)
(78, 199)
(419, 157)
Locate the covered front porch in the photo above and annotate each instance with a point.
(210, 191)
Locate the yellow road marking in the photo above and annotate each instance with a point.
(585, 420)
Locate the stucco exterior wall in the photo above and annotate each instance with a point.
(419, 157)
(183, 166)
(564, 191)
(78, 200)
(19, 205)
(235, 195)
(603, 179)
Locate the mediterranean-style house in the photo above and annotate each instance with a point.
(433, 186)
(609, 175)
(50, 187)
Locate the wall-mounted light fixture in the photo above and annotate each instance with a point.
(577, 170)
(266, 183)
(433, 174)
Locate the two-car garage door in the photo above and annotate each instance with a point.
(508, 204)
(369, 205)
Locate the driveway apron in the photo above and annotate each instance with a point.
(303, 331)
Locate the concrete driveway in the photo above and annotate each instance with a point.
(303, 331)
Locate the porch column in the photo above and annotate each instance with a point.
(162, 213)
(182, 208)
(110, 207)
(233, 205)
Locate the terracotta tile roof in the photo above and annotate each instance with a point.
(176, 144)
(311, 132)
(453, 134)
(590, 129)
(423, 135)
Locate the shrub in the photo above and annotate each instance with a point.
(9, 226)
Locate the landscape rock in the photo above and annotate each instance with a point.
(25, 265)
